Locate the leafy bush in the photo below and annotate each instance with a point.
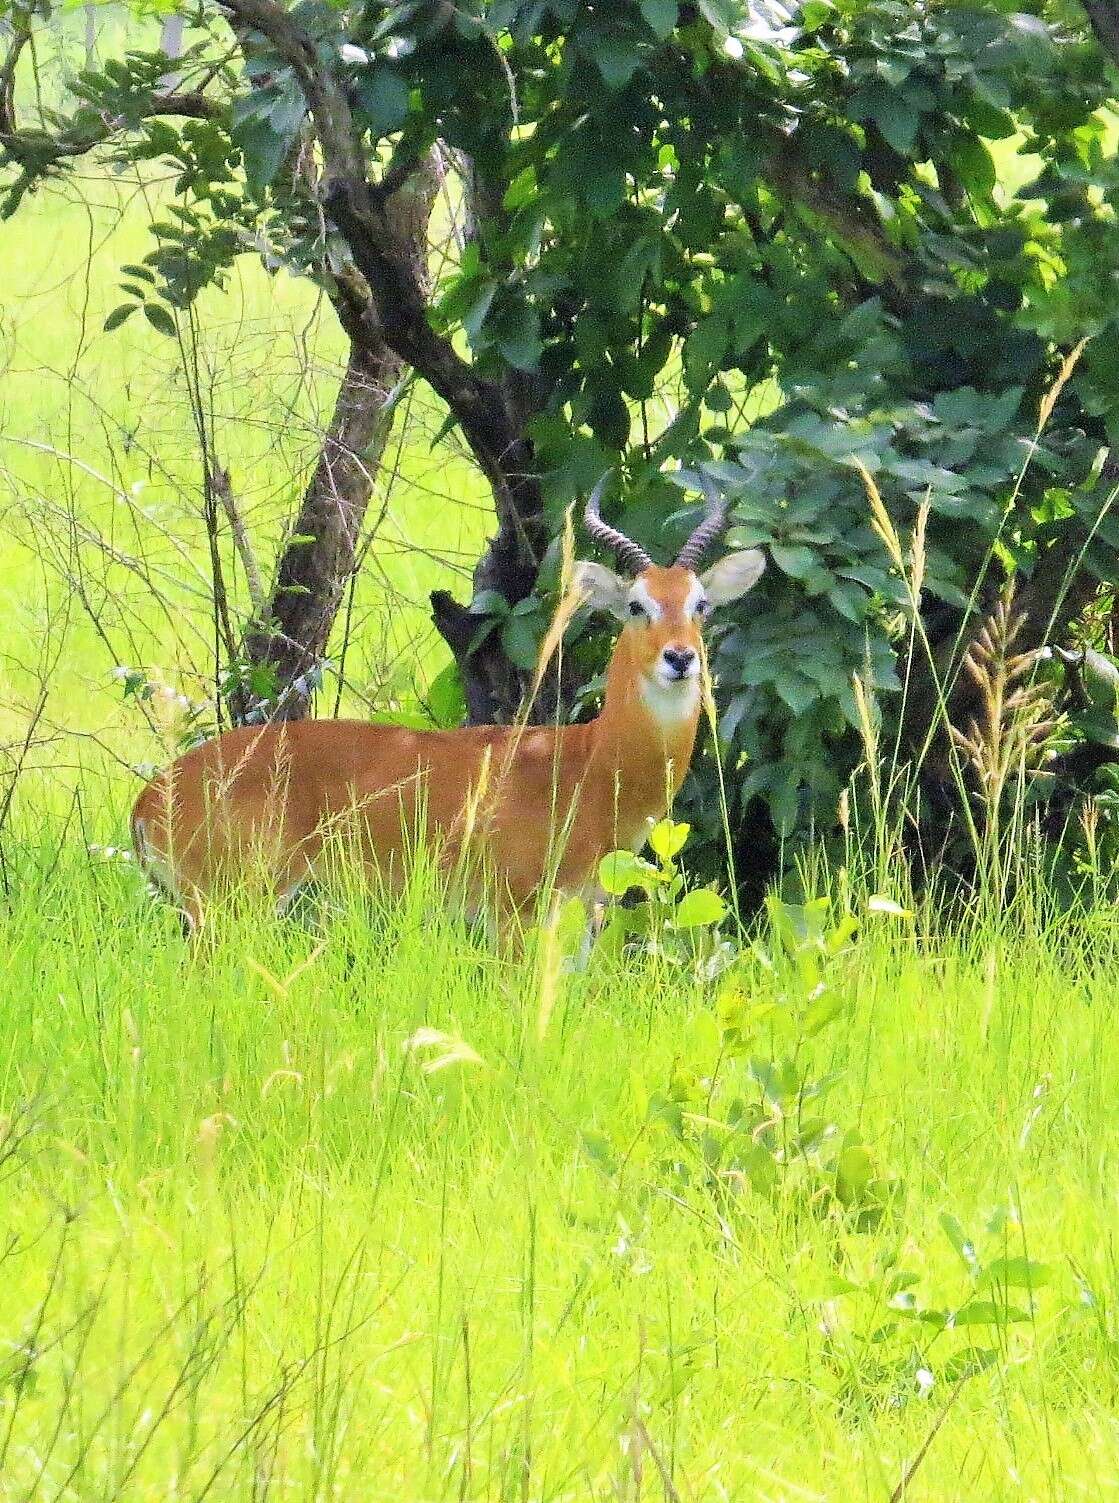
(744, 1109)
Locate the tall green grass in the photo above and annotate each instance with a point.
(318, 1212)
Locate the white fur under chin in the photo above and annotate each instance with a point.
(671, 701)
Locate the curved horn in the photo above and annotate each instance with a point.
(628, 554)
(714, 521)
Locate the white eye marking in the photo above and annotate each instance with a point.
(641, 597)
(696, 603)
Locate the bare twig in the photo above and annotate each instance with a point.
(222, 488)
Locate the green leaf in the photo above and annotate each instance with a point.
(118, 316)
(795, 561)
(798, 692)
(262, 680)
(160, 319)
(1100, 677)
(286, 115)
(643, 259)
(878, 903)
(474, 315)
(815, 13)
(489, 603)
(854, 1171)
(608, 419)
(522, 190)
(972, 164)
(668, 839)
(959, 1239)
(826, 1286)
(893, 115)
(1015, 1273)
(699, 909)
(705, 349)
(986, 1312)
(262, 151)
(599, 1150)
(617, 59)
(821, 1011)
(516, 333)
(519, 638)
(382, 97)
(621, 870)
(721, 14)
(445, 699)
(965, 1364)
(660, 15)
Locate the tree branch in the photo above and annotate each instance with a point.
(292, 628)
(490, 416)
(38, 151)
(359, 213)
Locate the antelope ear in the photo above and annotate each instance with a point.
(604, 590)
(732, 576)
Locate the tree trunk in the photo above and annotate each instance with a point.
(1104, 17)
(318, 561)
(491, 415)
(494, 688)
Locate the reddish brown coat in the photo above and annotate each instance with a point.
(530, 800)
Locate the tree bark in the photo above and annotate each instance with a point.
(490, 414)
(316, 564)
(494, 688)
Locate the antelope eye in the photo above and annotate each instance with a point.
(702, 607)
(636, 608)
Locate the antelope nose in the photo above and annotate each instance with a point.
(679, 659)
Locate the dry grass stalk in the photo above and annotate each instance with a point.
(1006, 739)
(880, 518)
(1049, 400)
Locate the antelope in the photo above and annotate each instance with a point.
(537, 802)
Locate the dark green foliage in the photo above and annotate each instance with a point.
(712, 215)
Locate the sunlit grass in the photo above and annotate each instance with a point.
(255, 1241)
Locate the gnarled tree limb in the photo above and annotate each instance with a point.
(490, 416)
(316, 564)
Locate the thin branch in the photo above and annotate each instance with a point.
(223, 489)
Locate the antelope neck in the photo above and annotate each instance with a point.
(634, 741)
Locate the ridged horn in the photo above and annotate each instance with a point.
(628, 554)
(714, 521)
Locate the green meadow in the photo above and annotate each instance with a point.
(360, 1208)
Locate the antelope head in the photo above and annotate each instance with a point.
(663, 610)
